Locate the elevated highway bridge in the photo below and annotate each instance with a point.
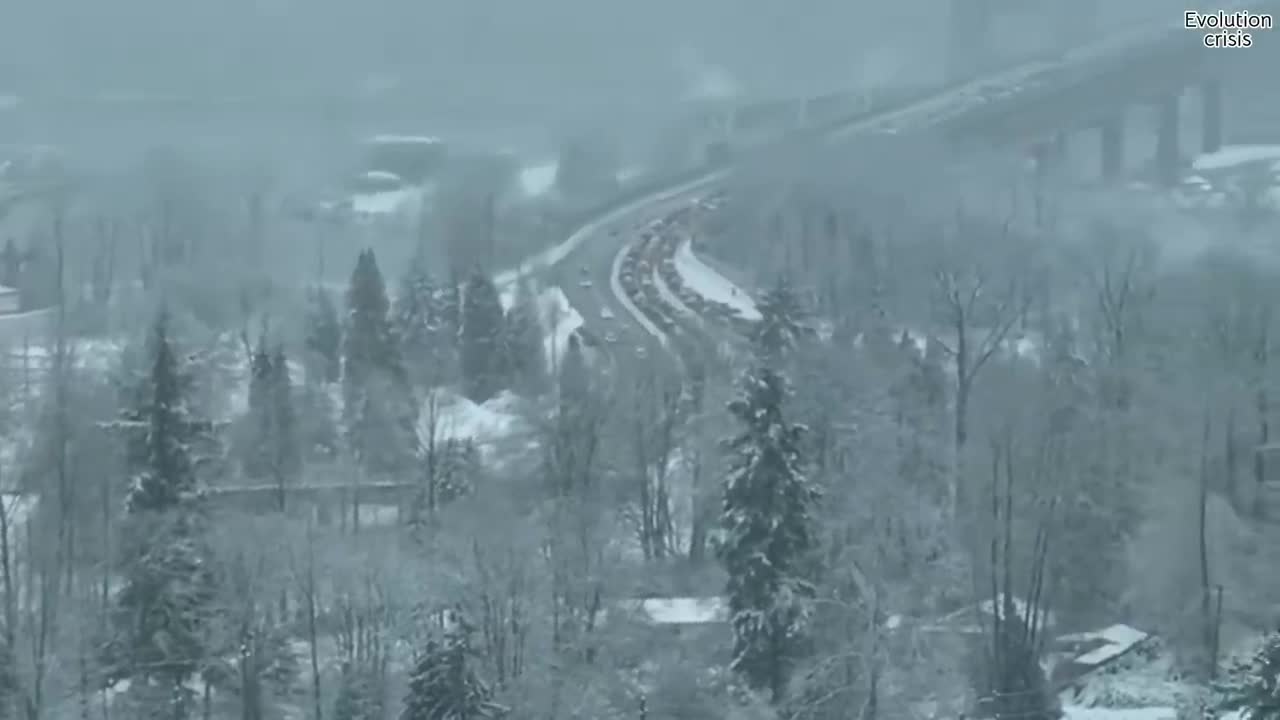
(1089, 87)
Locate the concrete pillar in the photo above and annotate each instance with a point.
(1168, 150)
(1113, 147)
(1211, 116)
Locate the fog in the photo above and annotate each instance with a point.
(589, 360)
(270, 73)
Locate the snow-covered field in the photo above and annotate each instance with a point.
(711, 285)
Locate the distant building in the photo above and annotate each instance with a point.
(9, 300)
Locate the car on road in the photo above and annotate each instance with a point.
(606, 314)
(610, 338)
(641, 352)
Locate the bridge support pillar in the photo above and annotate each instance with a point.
(1211, 116)
(1168, 157)
(1113, 147)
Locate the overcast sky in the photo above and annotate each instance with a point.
(481, 62)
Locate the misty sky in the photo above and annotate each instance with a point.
(508, 68)
(477, 46)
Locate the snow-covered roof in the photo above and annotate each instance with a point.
(382, 176)
(680, 610)
(403, 140)
(1103, 645)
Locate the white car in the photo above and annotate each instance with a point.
(585, 284)
(606, 314)
(641, 352)
(610, 338)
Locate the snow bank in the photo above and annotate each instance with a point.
(557, 317)
(711, 285)
(459, 418)
(537, 180)
(559, 320)
(1236, 155)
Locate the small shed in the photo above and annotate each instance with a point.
(9, 300)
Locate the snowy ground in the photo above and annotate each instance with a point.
(459, 418)
(708, 283)
(558, 318)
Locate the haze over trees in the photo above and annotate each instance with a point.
(262, 463)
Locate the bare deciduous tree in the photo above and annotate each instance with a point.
(979, 315)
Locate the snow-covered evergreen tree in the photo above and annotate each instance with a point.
(318, 434)
(416, 321)
(258, 428)
(444, 684)
(163, 608)
(522, 341)
(481, 338)
(323, 339)
(780, 328)
(286, 452)
(377, 403)
(164, 478)
(1252, 687)
(768, 535)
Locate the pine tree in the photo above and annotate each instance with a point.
(522, 341)
(449, 301)
(258, 428)
(166, 478)
(317, 430)
(163, 608)
(1252, 687)
(443, 684)
(481, 338)
(766, 517)
(285, 452)
(780, 328)
(377, 401)
(10, 265)
(415, 321)
(323, 339)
